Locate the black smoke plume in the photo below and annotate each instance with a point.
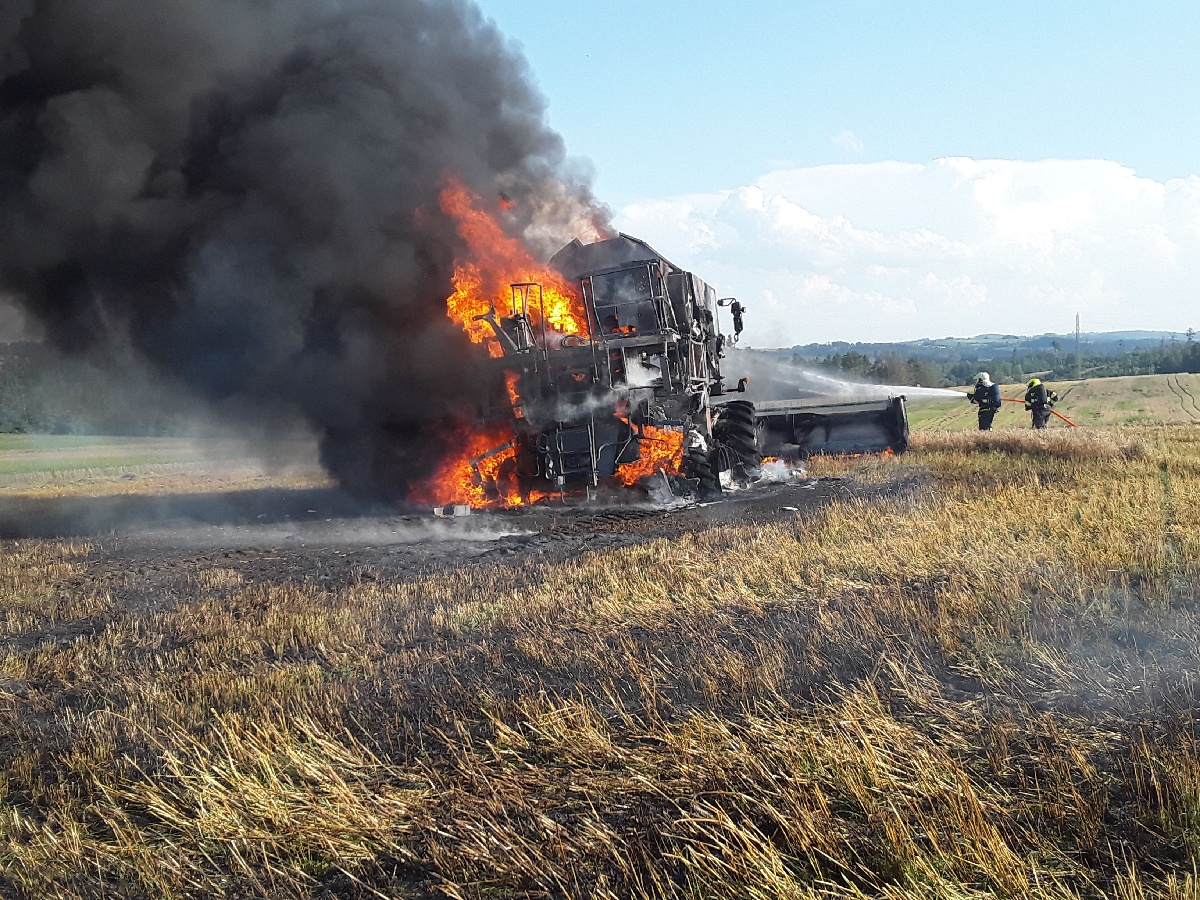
(245, 192)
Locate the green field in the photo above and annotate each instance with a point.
(1133, 400)
(91, 464)
(25, 453)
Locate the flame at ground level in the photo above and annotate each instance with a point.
(490, 483)
(458, 482)
(661, 451)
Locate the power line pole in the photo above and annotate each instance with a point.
(1078, 361)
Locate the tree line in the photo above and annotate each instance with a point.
(1057, 363)
(44, 392)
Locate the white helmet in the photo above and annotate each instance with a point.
(984, 377)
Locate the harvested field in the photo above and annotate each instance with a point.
(1132, 400)
(969, 671)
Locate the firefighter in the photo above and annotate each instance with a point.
(987, 395)
(1039, 400)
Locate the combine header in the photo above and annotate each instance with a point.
(799, 428)
(635, 386)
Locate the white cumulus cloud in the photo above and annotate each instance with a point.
(891, 250)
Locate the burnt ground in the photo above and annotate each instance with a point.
(156, 544)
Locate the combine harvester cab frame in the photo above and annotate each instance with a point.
(584, 405)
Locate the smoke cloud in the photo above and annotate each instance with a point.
(245, 192)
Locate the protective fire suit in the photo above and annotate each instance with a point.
(1039, 400)
(987, 396)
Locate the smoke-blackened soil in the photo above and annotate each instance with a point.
(151, 553)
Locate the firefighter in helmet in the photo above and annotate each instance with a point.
(1039, 400)
(987, 396)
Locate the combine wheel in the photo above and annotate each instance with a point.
(737, 433)
(698, 467)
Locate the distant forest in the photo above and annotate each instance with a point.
(917, 365)
(42, 391)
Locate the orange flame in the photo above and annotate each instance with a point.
(495, 261)
(483, 281)
(661, 450)
(457, 482)
(510, 384)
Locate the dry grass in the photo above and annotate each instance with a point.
(1139, 400)
(982, 687)
(51, 466)
(1081, 444)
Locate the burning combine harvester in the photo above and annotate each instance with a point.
(609, 371)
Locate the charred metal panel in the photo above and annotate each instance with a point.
(576, 259)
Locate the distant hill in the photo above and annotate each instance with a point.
(983, 347)
(945, 362)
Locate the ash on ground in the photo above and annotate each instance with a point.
(157, 546)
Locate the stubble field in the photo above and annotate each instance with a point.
(1132, 400)
(969, 671)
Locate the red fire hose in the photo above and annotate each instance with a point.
(1055, 411)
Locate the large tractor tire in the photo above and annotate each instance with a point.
(697, 467)
(736, 432)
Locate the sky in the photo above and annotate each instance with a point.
(872, 170)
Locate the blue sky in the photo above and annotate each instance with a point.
(684, 97)
(866, 170)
